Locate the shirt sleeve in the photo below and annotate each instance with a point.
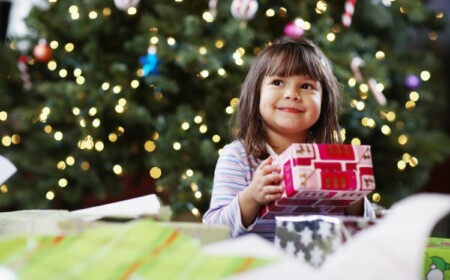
(231, 176)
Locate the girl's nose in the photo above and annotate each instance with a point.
(292, 94)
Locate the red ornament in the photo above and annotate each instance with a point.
(294, 29)
(42, 51)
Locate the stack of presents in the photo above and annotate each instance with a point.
(320, 182)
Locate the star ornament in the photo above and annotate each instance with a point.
(316, 256)
(301, 255)
(277, 241)
(290, 248)
(336, 242)
(290, 227)
(150, 62)
(324, 229)
(306, 236)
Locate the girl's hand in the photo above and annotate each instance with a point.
(265, 186)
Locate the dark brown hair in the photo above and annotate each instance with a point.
(287, 57)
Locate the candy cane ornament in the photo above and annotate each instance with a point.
(349, 10)
(355, 65)
(213, 7)
(23, 68)
(379, 96)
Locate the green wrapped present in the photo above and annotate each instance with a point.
(437, 259)
(139, 249)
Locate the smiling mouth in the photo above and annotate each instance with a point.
(290, 110)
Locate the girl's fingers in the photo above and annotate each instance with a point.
(269, 168)
(272, 196)
(266, 162)
(274, 190)
(274, 179)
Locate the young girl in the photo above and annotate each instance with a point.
(290, 95)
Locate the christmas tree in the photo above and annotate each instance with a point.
(102, 96)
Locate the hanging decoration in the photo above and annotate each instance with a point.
(42, 51)
(16, 21)
(213, 7)
(355, 65)
(124, 5)
(294, 28)
(349, 9)
(150, 62)
(379, 96)
(244, 9)
(23, 68)
(386, 3)
(412, 82)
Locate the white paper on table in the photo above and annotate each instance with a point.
(284, 267)
(7, 169)
(131, 208)
(395, 247)
(392, 249)
(250, 245)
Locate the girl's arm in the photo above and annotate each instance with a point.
(239, 190)
(231, 177)
(264, 188)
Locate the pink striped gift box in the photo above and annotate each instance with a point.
(322, 179)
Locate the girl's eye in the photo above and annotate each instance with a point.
(277, 82)
(307, 86)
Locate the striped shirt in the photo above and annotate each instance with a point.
(232, 175)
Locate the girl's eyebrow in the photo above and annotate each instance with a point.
(311, 79)
(307, 77)
(274, 77)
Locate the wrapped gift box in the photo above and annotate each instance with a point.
(313, 238)
(322, 179)
(437, 259)
(138, 249)
(351, 225)
(310, 238)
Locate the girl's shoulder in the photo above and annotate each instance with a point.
(236, 144)
(236, 150)
(236, 147)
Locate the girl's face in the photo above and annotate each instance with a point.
(289, 106)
